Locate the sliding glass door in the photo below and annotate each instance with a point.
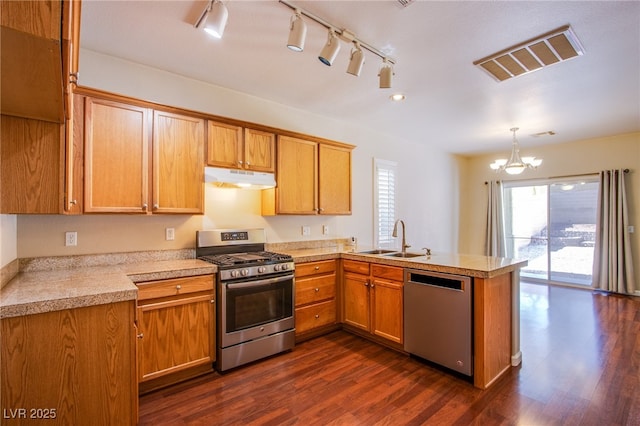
(552, 224)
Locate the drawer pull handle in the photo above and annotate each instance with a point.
(317, 289)
(178, 287)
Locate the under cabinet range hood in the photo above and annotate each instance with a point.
(231, 178)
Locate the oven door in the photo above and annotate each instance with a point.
(252, 309)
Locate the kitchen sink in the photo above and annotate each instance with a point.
(406, 255)
(378, 251)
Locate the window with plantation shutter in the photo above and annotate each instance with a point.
(384, 194)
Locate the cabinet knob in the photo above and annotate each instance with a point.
(240, 162)
(366, 284)
(156, 206)
(213, 301)
(178, 287)
(320, 210)
(317, 268)
(317, 289)
(140, 336)
(73, 202)
(371, 286)
(145, 206)
(317, 316)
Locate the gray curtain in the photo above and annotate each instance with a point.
(613, 262)
(495, 241)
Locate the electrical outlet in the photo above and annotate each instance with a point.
(325, 229)
(632, 229)
(71, 238)
(306, 230)
(169, 234)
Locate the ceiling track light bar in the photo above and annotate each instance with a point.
(340, 32)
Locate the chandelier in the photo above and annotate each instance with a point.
(515, 164)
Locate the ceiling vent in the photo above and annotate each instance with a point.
(405, 3)
(548, 49)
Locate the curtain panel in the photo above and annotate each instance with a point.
(495, 239)
(613, 261)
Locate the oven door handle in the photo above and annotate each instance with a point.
(260, 283)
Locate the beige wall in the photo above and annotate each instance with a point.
(8, 237)
(581, 157)
(428, 183)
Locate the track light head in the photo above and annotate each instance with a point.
(386, 74)
(331, 49)
(357, 60)
(214, 19)
(297, 33)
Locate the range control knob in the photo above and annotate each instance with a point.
(262, 269)
(285, 266)
(234, 274)
(244, 272)
(276, 268)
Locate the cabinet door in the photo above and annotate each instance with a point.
(31, 166)
(356, 300)
(224, 145)
(116, 157)
(178, 163)
(259, 150)
(296, 191)
(175, 335)
(387, 314)
(334, 186)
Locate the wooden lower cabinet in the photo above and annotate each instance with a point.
(176, 330)
(373, 299)
(70, 367)
(315, 297)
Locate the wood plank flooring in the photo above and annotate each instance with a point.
(581, 366)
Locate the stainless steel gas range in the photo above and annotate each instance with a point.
(255, 292)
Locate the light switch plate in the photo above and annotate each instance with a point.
(306, 230)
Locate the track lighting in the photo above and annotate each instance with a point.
(331, 49)
(356, 61)
(214, 18)
(297, 33)
(386, 74)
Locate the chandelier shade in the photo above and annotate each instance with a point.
(515, 164)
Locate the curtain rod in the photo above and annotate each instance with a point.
(557, 177)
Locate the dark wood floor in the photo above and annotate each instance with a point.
(581, 366)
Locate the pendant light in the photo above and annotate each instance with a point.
(356, 60)
(331, 49)
(297, 33)
(515, 164)
(214, 18)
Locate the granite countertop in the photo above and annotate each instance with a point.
(461, 264)
(51, 290)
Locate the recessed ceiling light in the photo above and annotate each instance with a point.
(397, 97)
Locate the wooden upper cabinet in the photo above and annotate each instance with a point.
(178, 163)
(334, 185)
(259, 150)
(235, 147)
(297, 176)
(116, 157)
(31, 61)
(312, 178)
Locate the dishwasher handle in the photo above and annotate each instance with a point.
(437, 279)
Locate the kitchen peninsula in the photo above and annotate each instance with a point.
(76, 299)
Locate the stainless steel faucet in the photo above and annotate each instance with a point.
(405, 246)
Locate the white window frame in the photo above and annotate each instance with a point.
(384, 202)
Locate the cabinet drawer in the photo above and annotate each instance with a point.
(356, 267)
(309, 290)
(317, 315)
(174, 287)
(315, 268)
(388, 272)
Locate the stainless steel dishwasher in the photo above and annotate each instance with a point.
(438, 318)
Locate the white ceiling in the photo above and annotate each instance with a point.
(450, 103)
